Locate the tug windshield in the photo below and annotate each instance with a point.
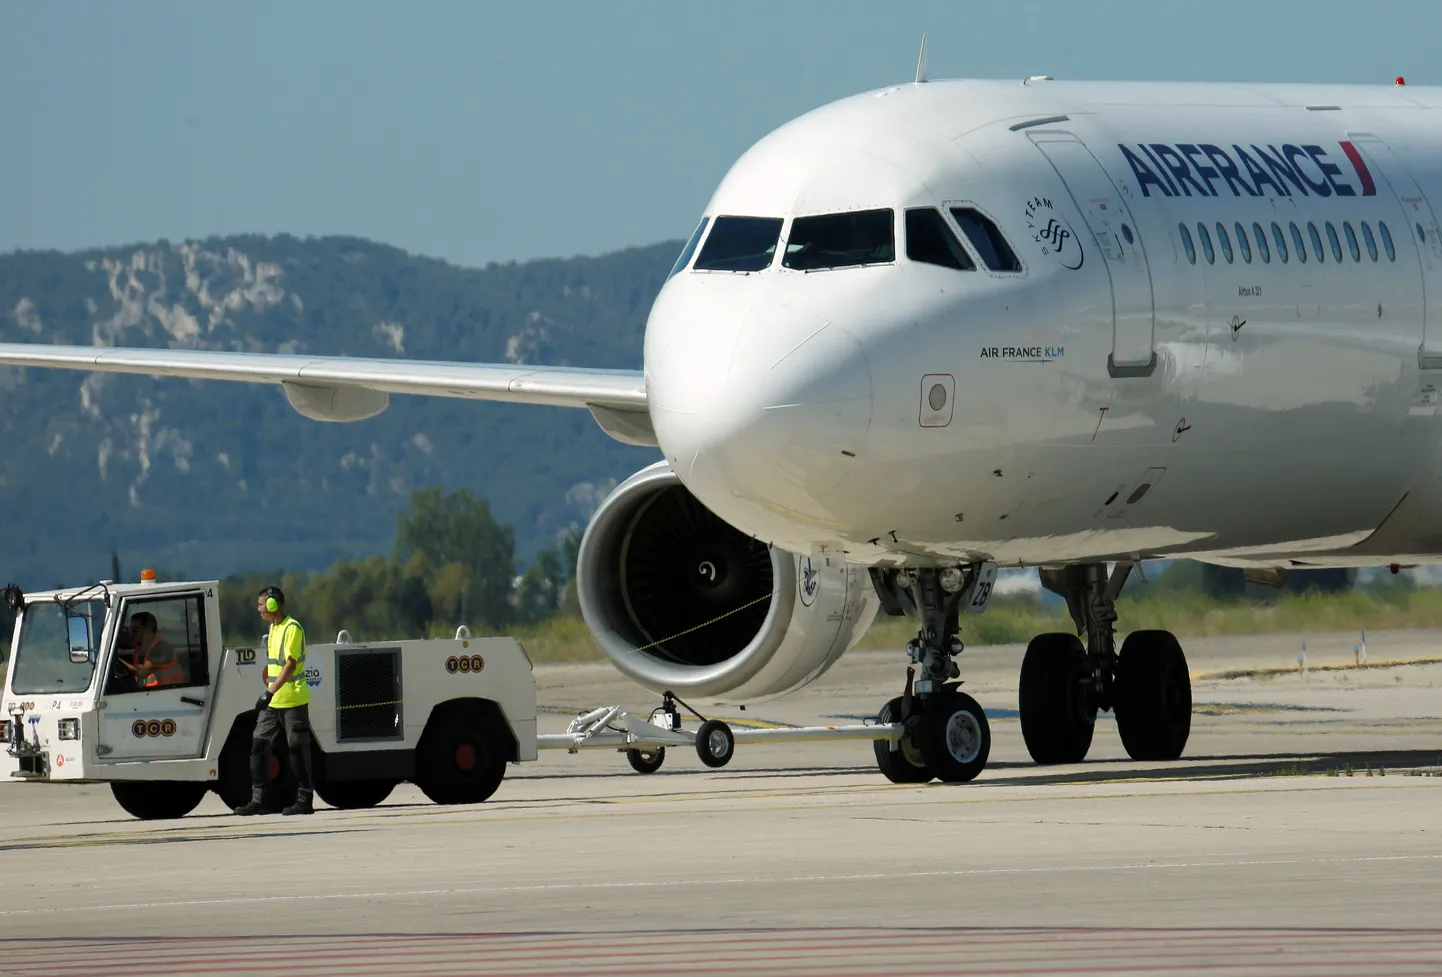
(43, 663)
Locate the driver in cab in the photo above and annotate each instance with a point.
(156, 663)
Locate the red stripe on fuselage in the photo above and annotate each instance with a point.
(1369, 189)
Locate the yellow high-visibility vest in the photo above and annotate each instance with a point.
(287, 640)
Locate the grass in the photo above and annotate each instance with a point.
(1185, 613)
(1189, 614)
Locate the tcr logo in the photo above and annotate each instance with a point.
(465, 663)
(142, 728)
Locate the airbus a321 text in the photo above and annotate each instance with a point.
(926, 332)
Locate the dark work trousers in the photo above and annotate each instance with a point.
(296, 722)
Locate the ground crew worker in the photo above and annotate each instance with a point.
(156, 663)
(284, 705)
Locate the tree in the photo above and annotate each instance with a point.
(541, 588)
(570, 604)
(439, 529)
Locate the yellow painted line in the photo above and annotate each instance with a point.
(1229, 673)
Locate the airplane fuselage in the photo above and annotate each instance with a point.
(1157, 372)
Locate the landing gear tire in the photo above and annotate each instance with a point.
(349, 795)
(459, 759)
(1057, 715)
(158, 800)
(955, 737)
(1153, 693)
(646, 761)
(715, 743)
(899, 761)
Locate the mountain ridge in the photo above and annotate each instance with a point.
(212, 478)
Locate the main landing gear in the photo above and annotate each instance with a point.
(1064, 682)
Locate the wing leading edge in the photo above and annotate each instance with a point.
(341, 388)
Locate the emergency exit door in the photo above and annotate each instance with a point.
(1420, 227)
(1118, 241)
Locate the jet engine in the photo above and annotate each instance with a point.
(681, 601)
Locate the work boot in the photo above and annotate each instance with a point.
(302, 804)
(255, 805)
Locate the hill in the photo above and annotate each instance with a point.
(209, 478)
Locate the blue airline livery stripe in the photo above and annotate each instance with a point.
(1208, 170)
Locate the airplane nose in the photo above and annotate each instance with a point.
(772, 405)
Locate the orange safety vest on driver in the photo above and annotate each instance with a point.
(171, 674)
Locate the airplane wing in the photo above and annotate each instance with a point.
(343, 388)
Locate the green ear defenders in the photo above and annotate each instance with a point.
(273, 597)
(272, 605)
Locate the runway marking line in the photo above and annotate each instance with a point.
(751, 880)
(530, 815)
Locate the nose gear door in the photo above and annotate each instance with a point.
(1118, 238)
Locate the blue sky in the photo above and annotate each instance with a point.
(484, 132)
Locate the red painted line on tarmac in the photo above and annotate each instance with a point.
(645, 962)
(506, 948)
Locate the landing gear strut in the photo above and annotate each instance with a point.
(948, 737)
(1065, 683)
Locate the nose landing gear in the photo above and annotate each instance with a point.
(948, 737)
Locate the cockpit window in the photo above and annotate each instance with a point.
(986, 237)
(690, 248)
(866, 237)
(931, 242)
(740, 244)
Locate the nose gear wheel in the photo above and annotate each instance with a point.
(955, 736)
(901, 761)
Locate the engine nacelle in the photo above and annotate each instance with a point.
(681, 601)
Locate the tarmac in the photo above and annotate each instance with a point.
(1299, 834)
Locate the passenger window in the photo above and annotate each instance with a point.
(1334, 242)
(1261, 238)
(1299, 245)
(930, 241)
(987, 239)
(1370, 241)
(159, 644)
(1187, 244)
(1387, 241)
(740, 244)
(1242, 243)
(690, 248)
(1316, 242)
(1206, 240)
(1224, 242)
(1421, 234)
(1280, 240)
(1351, 241)
(866, 237)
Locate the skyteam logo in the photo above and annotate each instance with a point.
(1053, 234)
(1208, 170)
(808, 582)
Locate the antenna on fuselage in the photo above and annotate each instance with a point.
(921, 62)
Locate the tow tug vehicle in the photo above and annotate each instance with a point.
(446, 714)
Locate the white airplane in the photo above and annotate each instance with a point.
(943, 327)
